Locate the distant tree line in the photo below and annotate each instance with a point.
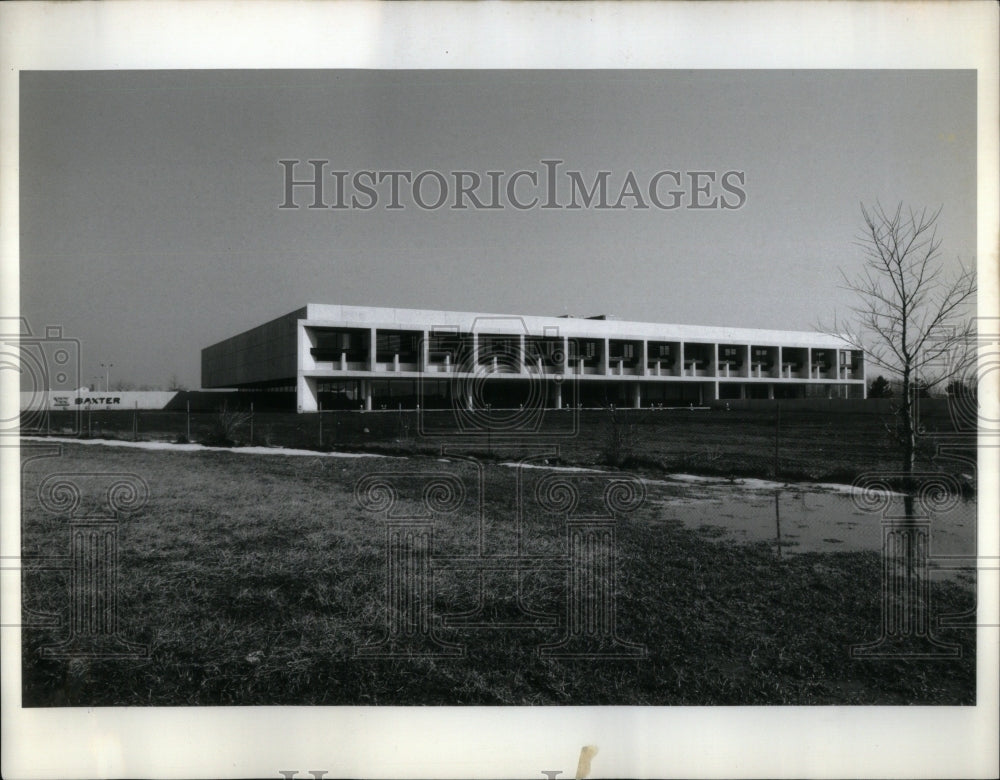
(885, 388)
(124, 386)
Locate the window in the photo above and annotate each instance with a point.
(455, 345)
(622, 350)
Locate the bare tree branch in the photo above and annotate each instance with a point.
(911, 320)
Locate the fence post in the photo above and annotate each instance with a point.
(321, 424)
(777, 518)
(135, 422)
(251, 423)
(777, 436)
(189, 420)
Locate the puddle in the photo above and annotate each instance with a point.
(800, 520)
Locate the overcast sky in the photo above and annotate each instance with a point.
(150, 225)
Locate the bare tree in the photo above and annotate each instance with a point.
(912, 319)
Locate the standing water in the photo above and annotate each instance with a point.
(798, 518)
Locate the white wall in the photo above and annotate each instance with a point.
(82, 399)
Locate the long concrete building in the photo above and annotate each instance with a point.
(366, 357)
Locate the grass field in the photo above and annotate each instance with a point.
(256, 579)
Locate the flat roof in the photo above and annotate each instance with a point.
(320, 314)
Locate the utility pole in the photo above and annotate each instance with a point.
(107, 376)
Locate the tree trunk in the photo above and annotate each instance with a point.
(908, 434)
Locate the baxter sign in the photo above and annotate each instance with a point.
(109, 400)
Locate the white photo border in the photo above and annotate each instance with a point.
(501, 742)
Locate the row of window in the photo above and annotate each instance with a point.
(456, 348)
(436, 394)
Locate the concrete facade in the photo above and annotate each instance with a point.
(365, 357)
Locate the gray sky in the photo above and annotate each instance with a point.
(150, 227)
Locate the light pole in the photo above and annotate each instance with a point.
(107, 376)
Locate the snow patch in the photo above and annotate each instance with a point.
(551, 468)
(170, 446)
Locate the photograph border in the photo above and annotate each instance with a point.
(357, 741)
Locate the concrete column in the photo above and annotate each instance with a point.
(367, 385)
(343, 361)
(395, 362)
(636, 395)
(566, 367)
(605, 369)
(680, 357)
(645, 358)
(713, 370)
(475, 352)
(558, 387)
(306, 339)
(372, 349)
(809, 361)
(522, 367)
(307, 397)
(425, 352)
(781, 370)
(770, 390)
